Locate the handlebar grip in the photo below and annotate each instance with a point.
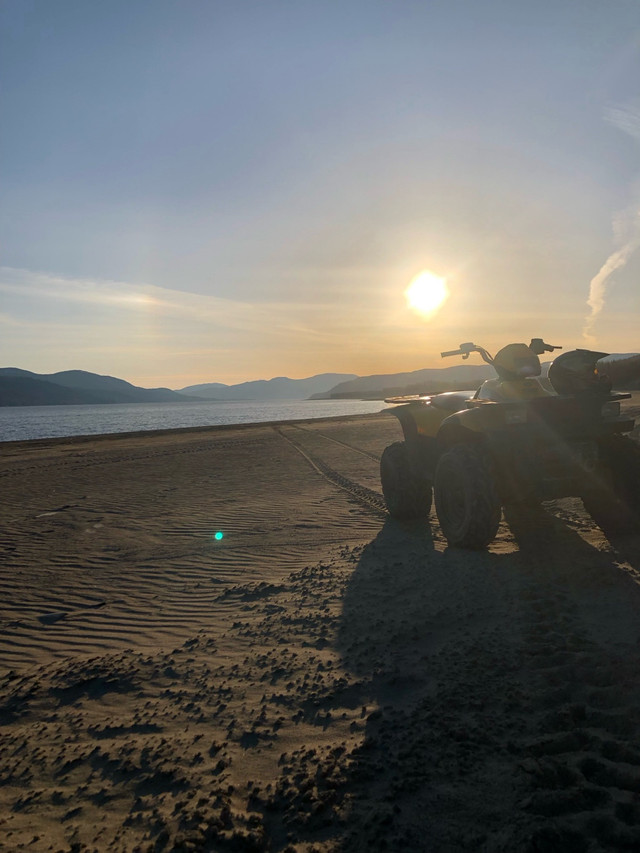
(451, 352)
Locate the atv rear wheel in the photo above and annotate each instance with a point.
(467, 501)
(406, 494)
(614, 501)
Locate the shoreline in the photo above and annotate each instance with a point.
(178, 431)
(41, 423)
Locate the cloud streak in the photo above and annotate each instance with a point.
(626, 228)
(49, 317)
(28, 285)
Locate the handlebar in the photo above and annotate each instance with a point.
(540, 347)
(464, 350)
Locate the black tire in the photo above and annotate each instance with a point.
(614, 500)
(406, 495)
(466, 497)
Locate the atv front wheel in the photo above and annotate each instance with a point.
(614, 501)
(467, 501)
(406, 494)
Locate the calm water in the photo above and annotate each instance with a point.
(18, 423)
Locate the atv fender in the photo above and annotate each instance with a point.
(470, 425)
(423, 450)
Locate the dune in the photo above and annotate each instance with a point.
(317, 678)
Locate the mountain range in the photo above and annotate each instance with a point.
(279, 388)
(24, 388)
(68, 387)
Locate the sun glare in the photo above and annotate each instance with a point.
(426, 293)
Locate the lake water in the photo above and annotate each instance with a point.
(20, 423)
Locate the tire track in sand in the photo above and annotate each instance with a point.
(366, 497)
(374, 456)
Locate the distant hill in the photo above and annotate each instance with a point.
(25, 391)
(24, 388)
(206, 391)
(426, 381)
(280, 388)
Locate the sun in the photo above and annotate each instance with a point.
(426, 293)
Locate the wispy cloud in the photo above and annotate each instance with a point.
(626, 226)
(626, 117)
(319, 318)
(92, 322)
(29, 285)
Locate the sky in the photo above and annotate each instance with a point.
(228, 190)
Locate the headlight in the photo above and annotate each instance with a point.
(610, 409)
(516, 416)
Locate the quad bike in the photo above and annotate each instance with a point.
(515, 440)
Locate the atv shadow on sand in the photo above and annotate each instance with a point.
(499, 694)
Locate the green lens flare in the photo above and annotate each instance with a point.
(219, 535)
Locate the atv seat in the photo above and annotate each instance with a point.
(452, 401)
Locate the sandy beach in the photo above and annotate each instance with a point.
(321, 678)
